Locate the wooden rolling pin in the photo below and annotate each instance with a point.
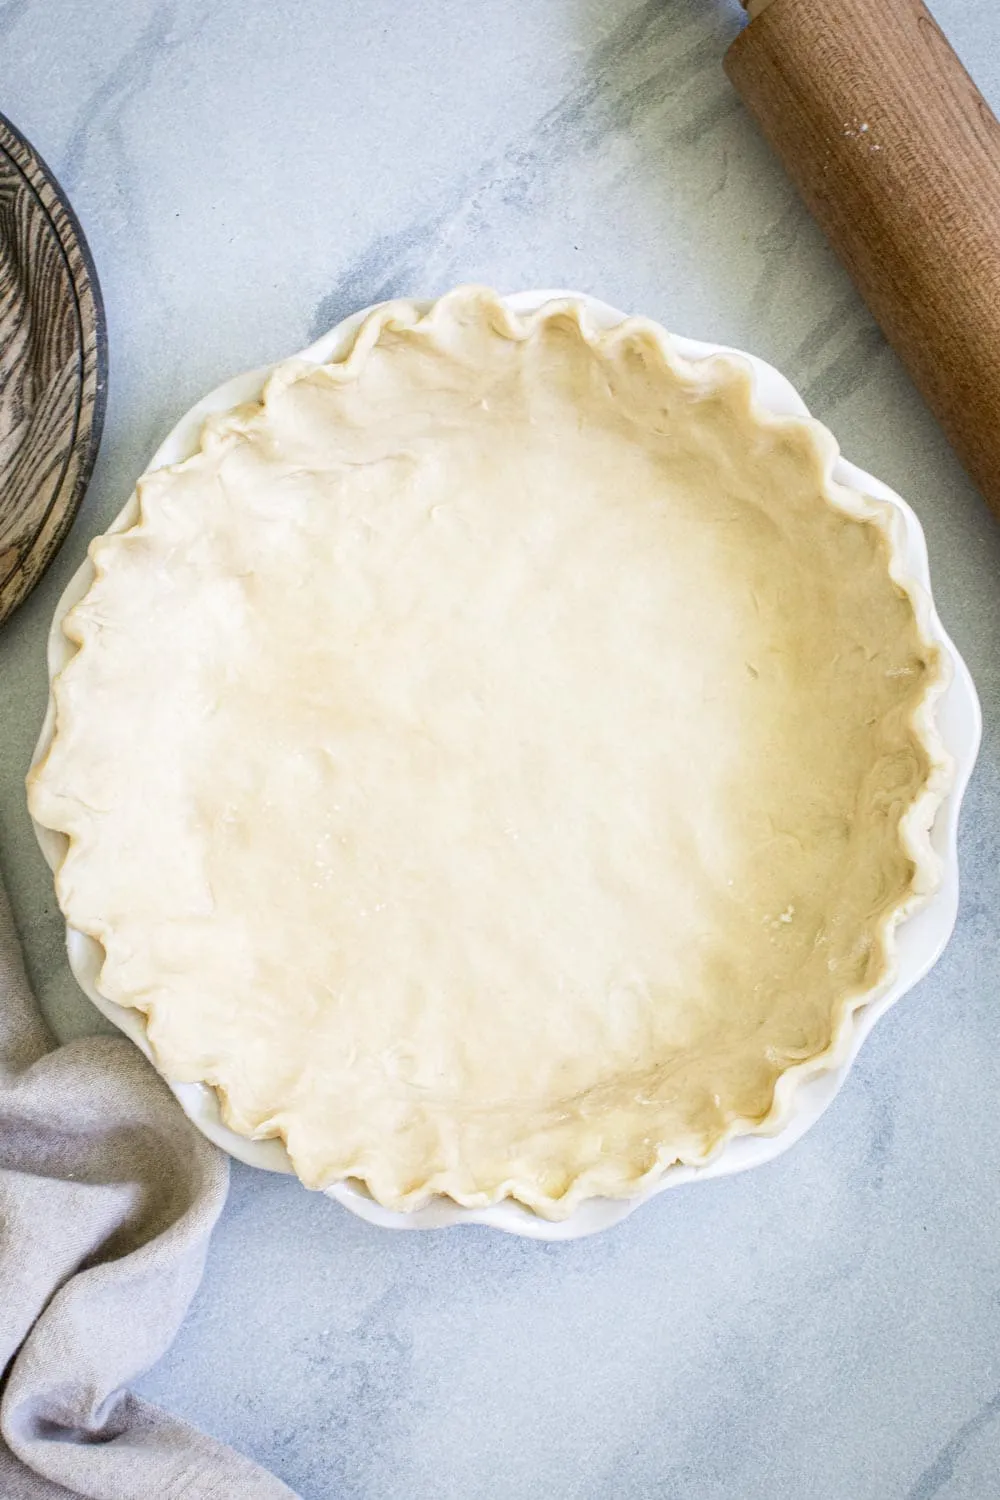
(897, 155)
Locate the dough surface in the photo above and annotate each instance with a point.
(492, 760)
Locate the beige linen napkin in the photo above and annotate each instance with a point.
(108, 1197)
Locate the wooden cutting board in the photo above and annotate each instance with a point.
(53, 367)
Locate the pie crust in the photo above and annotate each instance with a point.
(496, 757)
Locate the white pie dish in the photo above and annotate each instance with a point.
(920, 939)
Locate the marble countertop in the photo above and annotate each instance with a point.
(828, 1326)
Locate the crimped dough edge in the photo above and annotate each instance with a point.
(609, 1177)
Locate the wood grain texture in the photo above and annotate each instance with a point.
(897, 155)
(53, 367)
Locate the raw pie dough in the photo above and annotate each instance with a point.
(495, 758)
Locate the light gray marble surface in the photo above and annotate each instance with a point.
(828, 1327)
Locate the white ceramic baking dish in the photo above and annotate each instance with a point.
(921, 938)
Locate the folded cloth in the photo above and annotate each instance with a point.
(108, 1197)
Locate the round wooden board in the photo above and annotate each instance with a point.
(53, 367)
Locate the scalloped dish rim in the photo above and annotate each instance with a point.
(914, 933)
